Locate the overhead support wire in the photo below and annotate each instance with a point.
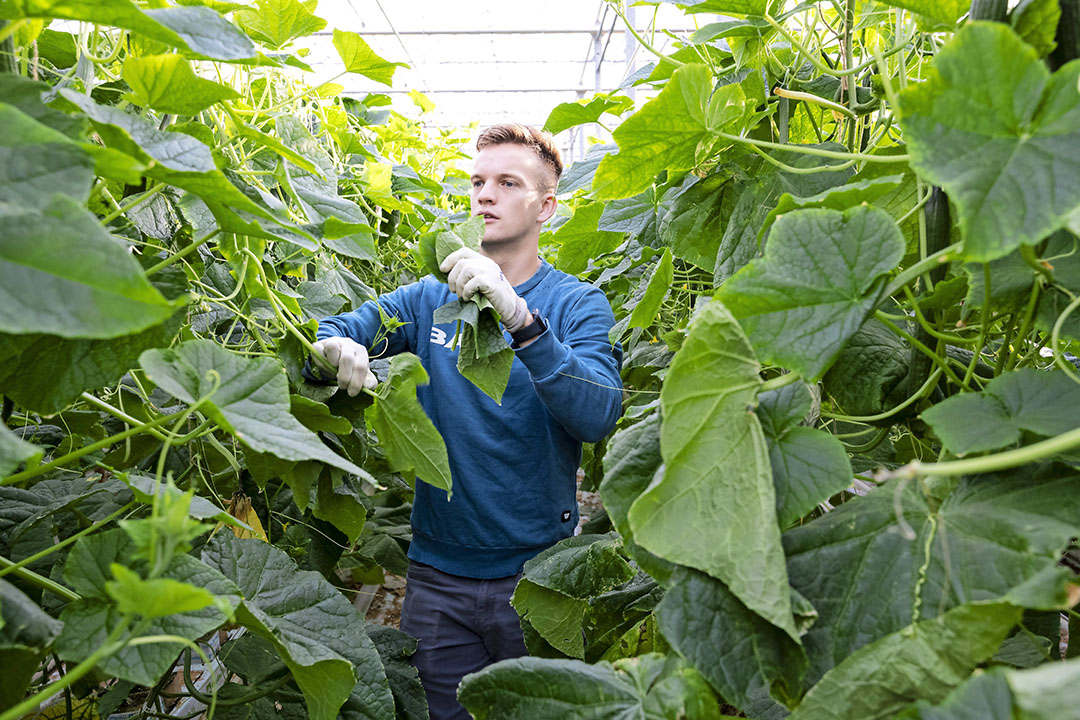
(408, 56)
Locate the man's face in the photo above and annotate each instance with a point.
(507, 191)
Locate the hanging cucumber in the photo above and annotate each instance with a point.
(993, 10)
(938, 226)
(1067, 35)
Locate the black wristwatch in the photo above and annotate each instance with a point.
(527, 333)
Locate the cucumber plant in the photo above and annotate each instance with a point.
(843, 256)
(841, 242)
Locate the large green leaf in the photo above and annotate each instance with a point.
(1036, 21)
(360, 58)
(118, 13)
(207, 34)
(757, 195)
(923, 661)
(872, 365)
(984, 696)
(87, 622)
(566, 115)
(739, 653)
(633, 215)
(817, 282)
(24, 512)
(136, 136)
(198, 29)
(631, 461)
(61, 257)
(177, 159)
(46, 373)
(694, 222)
(37, 161)
(277, 22)
(580, 174)
(247, 397)
(656, 289)
(989, 121)
(406, 433)
(737, 7)
(167, 84)
(1043, 403)
(1046, 692)
(394, 648)
(555, 616)
(318, 633)
(808, 465)
(25, 633)
(24, 623)
(537, 689)
(943, 12)
(557, 583)
(840, 197)
(888, 551)
(674, 131)
(579, 240)
(14, 451)
(714, 509)
(484, 356)
(26, 95)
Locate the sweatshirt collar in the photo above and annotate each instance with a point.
(536, 278)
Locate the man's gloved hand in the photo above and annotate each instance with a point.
(471, 273)
(351, 360)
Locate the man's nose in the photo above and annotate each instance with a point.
(485, 193)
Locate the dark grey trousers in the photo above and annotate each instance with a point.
(463, 625)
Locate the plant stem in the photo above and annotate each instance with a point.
(1025, 324)
(805, 150)
(947, 337)
(76, 454)
(815, 99)
(985, 324)
(183, 253)
(822, 67)
(930, 382)
(620, 11)
(156, 190)
(118, 414)
(779, 382)
(997, 461)
(1059, 360)
(909, 274)
(884, 319)
(39, 580)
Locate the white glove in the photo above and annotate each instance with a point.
(351, 360)
(471, 273)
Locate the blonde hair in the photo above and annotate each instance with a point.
(540, 142)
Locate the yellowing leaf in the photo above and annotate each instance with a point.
(240, 508)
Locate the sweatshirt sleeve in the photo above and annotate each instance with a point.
(364, 324)
(575, 369)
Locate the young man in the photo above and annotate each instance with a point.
(514, 466)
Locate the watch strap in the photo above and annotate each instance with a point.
(530, 331)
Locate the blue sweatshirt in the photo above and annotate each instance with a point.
(514, 466)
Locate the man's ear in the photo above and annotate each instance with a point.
(547, 208)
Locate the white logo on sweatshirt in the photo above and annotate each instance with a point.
(438, 336)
